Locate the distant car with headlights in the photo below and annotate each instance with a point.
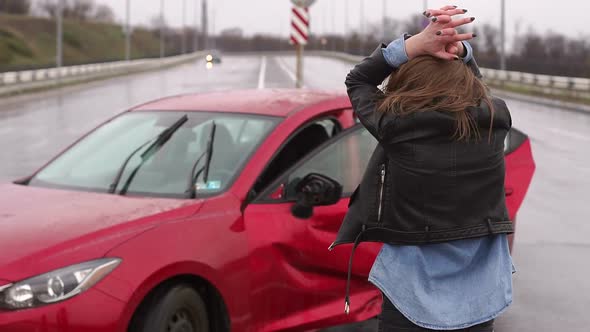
(213, 58)
(207, 212)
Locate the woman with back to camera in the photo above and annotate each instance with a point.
(433, 191)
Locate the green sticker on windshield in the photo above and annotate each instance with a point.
(211, 185)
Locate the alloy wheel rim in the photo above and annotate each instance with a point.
(180, 322)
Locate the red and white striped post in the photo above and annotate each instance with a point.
(300, 32)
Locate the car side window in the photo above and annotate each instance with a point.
(345, 161)
(297, 147)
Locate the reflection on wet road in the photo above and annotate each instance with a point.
(552, 244)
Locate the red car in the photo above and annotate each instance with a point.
(188, 214)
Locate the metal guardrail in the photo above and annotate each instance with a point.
(18, 81)
(559, 85)
(559, 82)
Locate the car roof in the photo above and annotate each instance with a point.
(274, 102)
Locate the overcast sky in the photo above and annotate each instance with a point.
(272, 16)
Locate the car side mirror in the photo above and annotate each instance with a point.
(315, 190)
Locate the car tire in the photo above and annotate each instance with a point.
(176, 309)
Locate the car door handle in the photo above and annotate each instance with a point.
(509, 191)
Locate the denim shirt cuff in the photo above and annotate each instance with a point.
(395, 53)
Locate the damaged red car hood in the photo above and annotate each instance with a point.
(40, 226)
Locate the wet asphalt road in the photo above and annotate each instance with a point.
(552, 248)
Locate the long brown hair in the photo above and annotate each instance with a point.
(427, 84)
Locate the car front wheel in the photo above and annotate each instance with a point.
(178, 309)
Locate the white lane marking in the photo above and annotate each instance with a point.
(262, 74)
(568, 134)
(287, 70)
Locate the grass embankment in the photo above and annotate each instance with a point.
(30, 42)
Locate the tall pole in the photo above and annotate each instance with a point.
(333, 15)
(162, 29)
(324, 20)
(503, 36)
(384, 20)
(204, 25)
(59, 48)
(213, 16)
(346, 36)
(362, 28)
(183, 50)
(325, 31)
(299, 66)
(196, 35)
(128, 32)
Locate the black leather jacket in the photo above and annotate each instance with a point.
(422, 186)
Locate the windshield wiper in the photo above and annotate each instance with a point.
(192, 187)
(157, 143)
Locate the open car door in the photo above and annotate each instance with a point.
(295, 278)
(520, 167)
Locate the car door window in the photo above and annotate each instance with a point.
(344, 160)
(297, 147)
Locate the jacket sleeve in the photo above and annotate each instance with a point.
(362, 86)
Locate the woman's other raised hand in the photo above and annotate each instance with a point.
(440, 38)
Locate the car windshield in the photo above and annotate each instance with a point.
(94, 162)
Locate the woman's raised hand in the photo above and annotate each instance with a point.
(440, 38)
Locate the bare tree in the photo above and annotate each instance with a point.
(81, 10)
(21, 7)
(157, 22)
(104, 13)
(391, 30)
(415, 24)
(47, 7)
(533, 46)
(232, 32)
(556, 46)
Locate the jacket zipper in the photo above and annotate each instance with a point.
(380, 207)
(382, 183)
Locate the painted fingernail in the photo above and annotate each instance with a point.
(455, 7)
(424, 13)
(434, 19)
(474, 35)
(428, 14)
(464, 11)
(472, 19)
(438, 33)
(456, 58)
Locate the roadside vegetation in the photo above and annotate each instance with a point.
(28, 35)
(27, 40)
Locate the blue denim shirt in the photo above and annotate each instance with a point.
(446, 286)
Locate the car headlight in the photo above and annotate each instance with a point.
(209, 58)
(55, 286)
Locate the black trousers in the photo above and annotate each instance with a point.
(391, 320)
